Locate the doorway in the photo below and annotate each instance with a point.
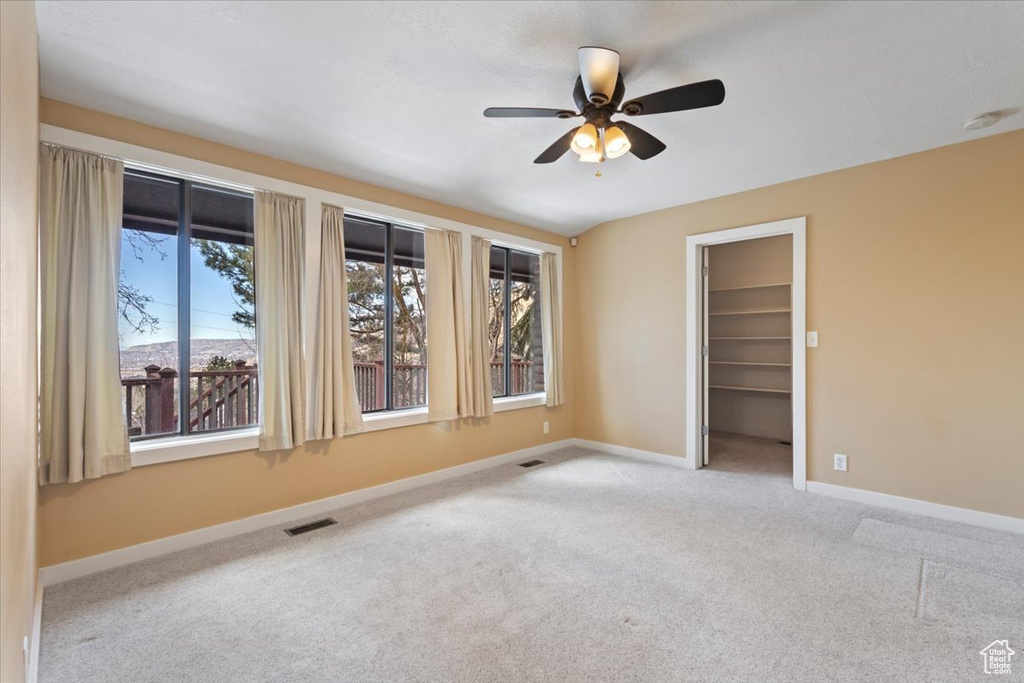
(746, 364)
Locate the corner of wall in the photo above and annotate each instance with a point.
(19, 154)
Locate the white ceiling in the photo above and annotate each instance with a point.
(392, 92)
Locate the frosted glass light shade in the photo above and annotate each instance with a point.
(585, 139)
(615, 142)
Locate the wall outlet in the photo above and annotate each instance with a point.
(812, 340)
(546, 428)
(840, 462)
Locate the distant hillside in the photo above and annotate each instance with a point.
(165, 354)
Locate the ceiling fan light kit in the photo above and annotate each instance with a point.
(598, 93)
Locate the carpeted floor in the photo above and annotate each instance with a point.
(589, 568)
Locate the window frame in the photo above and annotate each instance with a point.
(389, 308)
(506, 315)
(183, 258)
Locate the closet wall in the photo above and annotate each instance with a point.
(749, 329)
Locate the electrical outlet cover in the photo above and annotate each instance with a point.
(840, 462)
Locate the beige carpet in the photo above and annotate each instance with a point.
(589, 568)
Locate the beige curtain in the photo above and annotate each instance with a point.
(551, 329)
(481, 400)
(336, 408)
(280, 267)
(447, 349)
(82, 417)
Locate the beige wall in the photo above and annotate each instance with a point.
(159, 500)
(915, 275)
(19, 142)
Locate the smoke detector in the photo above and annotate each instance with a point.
(980, 121)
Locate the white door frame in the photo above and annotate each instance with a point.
(797, 227)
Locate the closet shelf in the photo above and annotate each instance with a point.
(759, 338)
(760, 312)
(733, 289)
(754, 389)
(736, 362)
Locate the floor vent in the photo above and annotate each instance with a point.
(531, 463)
(312, 526)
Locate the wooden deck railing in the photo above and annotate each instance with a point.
(222, 399)
(410, 383)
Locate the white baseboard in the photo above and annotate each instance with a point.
(920, 507)
(74, 569)
(32, 670)
(649, 456)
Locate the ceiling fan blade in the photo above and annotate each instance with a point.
(527, 112)
(599, 69)
(693, 96)
(642, 144)
(555, 151)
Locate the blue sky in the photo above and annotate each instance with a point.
(212, 301)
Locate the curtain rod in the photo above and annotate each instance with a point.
(174, 173)
(359, 213)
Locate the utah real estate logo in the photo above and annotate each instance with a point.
(997, 657)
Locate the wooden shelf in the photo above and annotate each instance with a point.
(736, 362)
(755, 338)
(761, 312)
(733, 289)
(755, 389)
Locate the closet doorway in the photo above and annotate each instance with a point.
(746, 369)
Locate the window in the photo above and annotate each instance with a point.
(387, 315)
(186, 298)
(514, 333)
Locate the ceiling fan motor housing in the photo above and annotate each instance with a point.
(583, 102)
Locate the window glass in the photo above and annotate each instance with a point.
(409, 322)
(526, 364)
(365, 254)
(215, 388)
(387, 313)
(223, 380)
(148, 304)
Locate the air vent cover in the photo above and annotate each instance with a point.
(312, 526)
(531, 463)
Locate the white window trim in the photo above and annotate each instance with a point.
(373, 422)
(173, 448)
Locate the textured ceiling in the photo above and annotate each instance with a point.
(391, 93)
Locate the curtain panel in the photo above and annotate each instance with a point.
(448, 366)
(280, 268)
(551, 329)
(336, 409)
(82, 421)
(481, 393)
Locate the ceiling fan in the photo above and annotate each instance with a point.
(598, 93)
